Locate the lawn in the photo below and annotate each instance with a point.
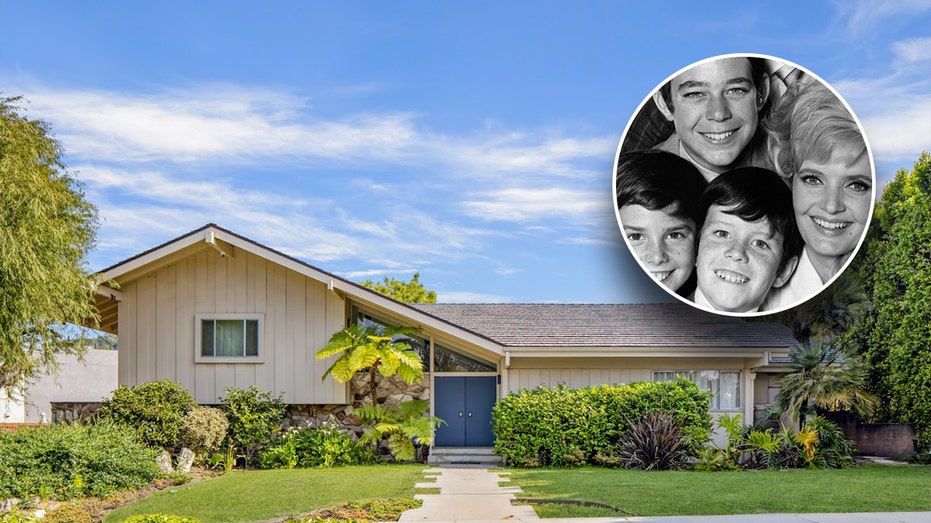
(867, 488)
(256, 495)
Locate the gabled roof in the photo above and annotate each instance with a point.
(225, 241)
(609, 325)
(494, 328)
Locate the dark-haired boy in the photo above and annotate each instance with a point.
(658, 207)
(748, 242)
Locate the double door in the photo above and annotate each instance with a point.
(464, 403)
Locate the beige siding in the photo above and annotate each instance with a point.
(529, 373)
(157, 327)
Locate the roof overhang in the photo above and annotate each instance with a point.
(227, 243)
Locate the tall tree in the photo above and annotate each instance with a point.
(404, 291)
(46, 229)
(895, 270)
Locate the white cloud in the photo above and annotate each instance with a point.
(900, 135)
(231, 124)
(862, 15)
(525, 204)
(913, 50)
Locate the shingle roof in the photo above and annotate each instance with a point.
(608, 325)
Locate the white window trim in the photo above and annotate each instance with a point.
(740, 386)
(198, 338)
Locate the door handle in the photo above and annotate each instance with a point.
(460, 413)
(470, 413)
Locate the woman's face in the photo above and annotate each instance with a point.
(832, 201)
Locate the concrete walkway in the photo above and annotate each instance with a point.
(468, 493)
(473, 494)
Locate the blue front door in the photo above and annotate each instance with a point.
(464, 403)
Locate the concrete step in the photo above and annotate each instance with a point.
(464, 456)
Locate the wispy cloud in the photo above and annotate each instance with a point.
(860, 16)
(525, 204)
(913, 50)
(894, 105)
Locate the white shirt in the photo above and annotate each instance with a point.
(803, 284)
(700, 300)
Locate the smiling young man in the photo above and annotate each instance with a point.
(715, 109)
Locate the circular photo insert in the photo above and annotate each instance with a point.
(744, 184)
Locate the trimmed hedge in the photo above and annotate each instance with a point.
(571, 427)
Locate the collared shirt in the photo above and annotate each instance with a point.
(700, 300)
(803, 284)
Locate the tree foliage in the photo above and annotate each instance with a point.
(46, 229)
(373, 348)
(404, 291)
(821, 375)
(895, 270)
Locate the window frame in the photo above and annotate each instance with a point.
(715, 387)
(244, 317)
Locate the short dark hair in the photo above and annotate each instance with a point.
(657, 179)
(756, 193)
(757, 71)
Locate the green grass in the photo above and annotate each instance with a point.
(256, 495)
(868, 488)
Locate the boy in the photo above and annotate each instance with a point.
(658, 208)
(715, 107)
(748, 243)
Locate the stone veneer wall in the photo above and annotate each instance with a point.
(390, 392)
(70, 412)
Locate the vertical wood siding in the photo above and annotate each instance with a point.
(157, 327)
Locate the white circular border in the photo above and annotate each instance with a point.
(617, 212)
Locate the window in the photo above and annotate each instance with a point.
(419, 345)
(225, 338)
(724, 384)
(450, 360)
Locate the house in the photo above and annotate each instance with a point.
(212, 309)
(85, 380)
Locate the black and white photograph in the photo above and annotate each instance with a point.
(744, 184)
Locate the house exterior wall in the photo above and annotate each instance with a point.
(529, 373)
(92, 380)
(298, 316)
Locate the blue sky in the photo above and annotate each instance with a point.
(470, 141)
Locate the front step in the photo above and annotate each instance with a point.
(465, 456)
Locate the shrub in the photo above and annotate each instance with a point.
(254, 415)
(654, 442)
(819, 444)
(203, 429)
(155, 410)
(833, 449)
(160, 518)
(565, 427)
(69, 461)
(325, 446)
